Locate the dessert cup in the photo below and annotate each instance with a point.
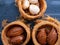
(46, 21)
(15, 23)
(42, 6)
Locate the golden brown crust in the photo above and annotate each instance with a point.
(5, 38)
(30, 17)
(39, 23)
(50, 19)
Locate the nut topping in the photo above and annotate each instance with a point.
(31, 6)
(15, 31)
(26, 4)
(34, 9)
(47, 37)
(17, 40)
(52, 37)
(16, 35)
(33, 1)
(42, 36)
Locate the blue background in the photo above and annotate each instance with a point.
(9, 11)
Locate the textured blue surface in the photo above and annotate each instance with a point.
(9, 11)
(53, 8)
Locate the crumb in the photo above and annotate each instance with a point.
(4, 23)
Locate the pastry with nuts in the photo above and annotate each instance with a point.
(31, 9)
(45, 37)
(15, 33)
(46, 32)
